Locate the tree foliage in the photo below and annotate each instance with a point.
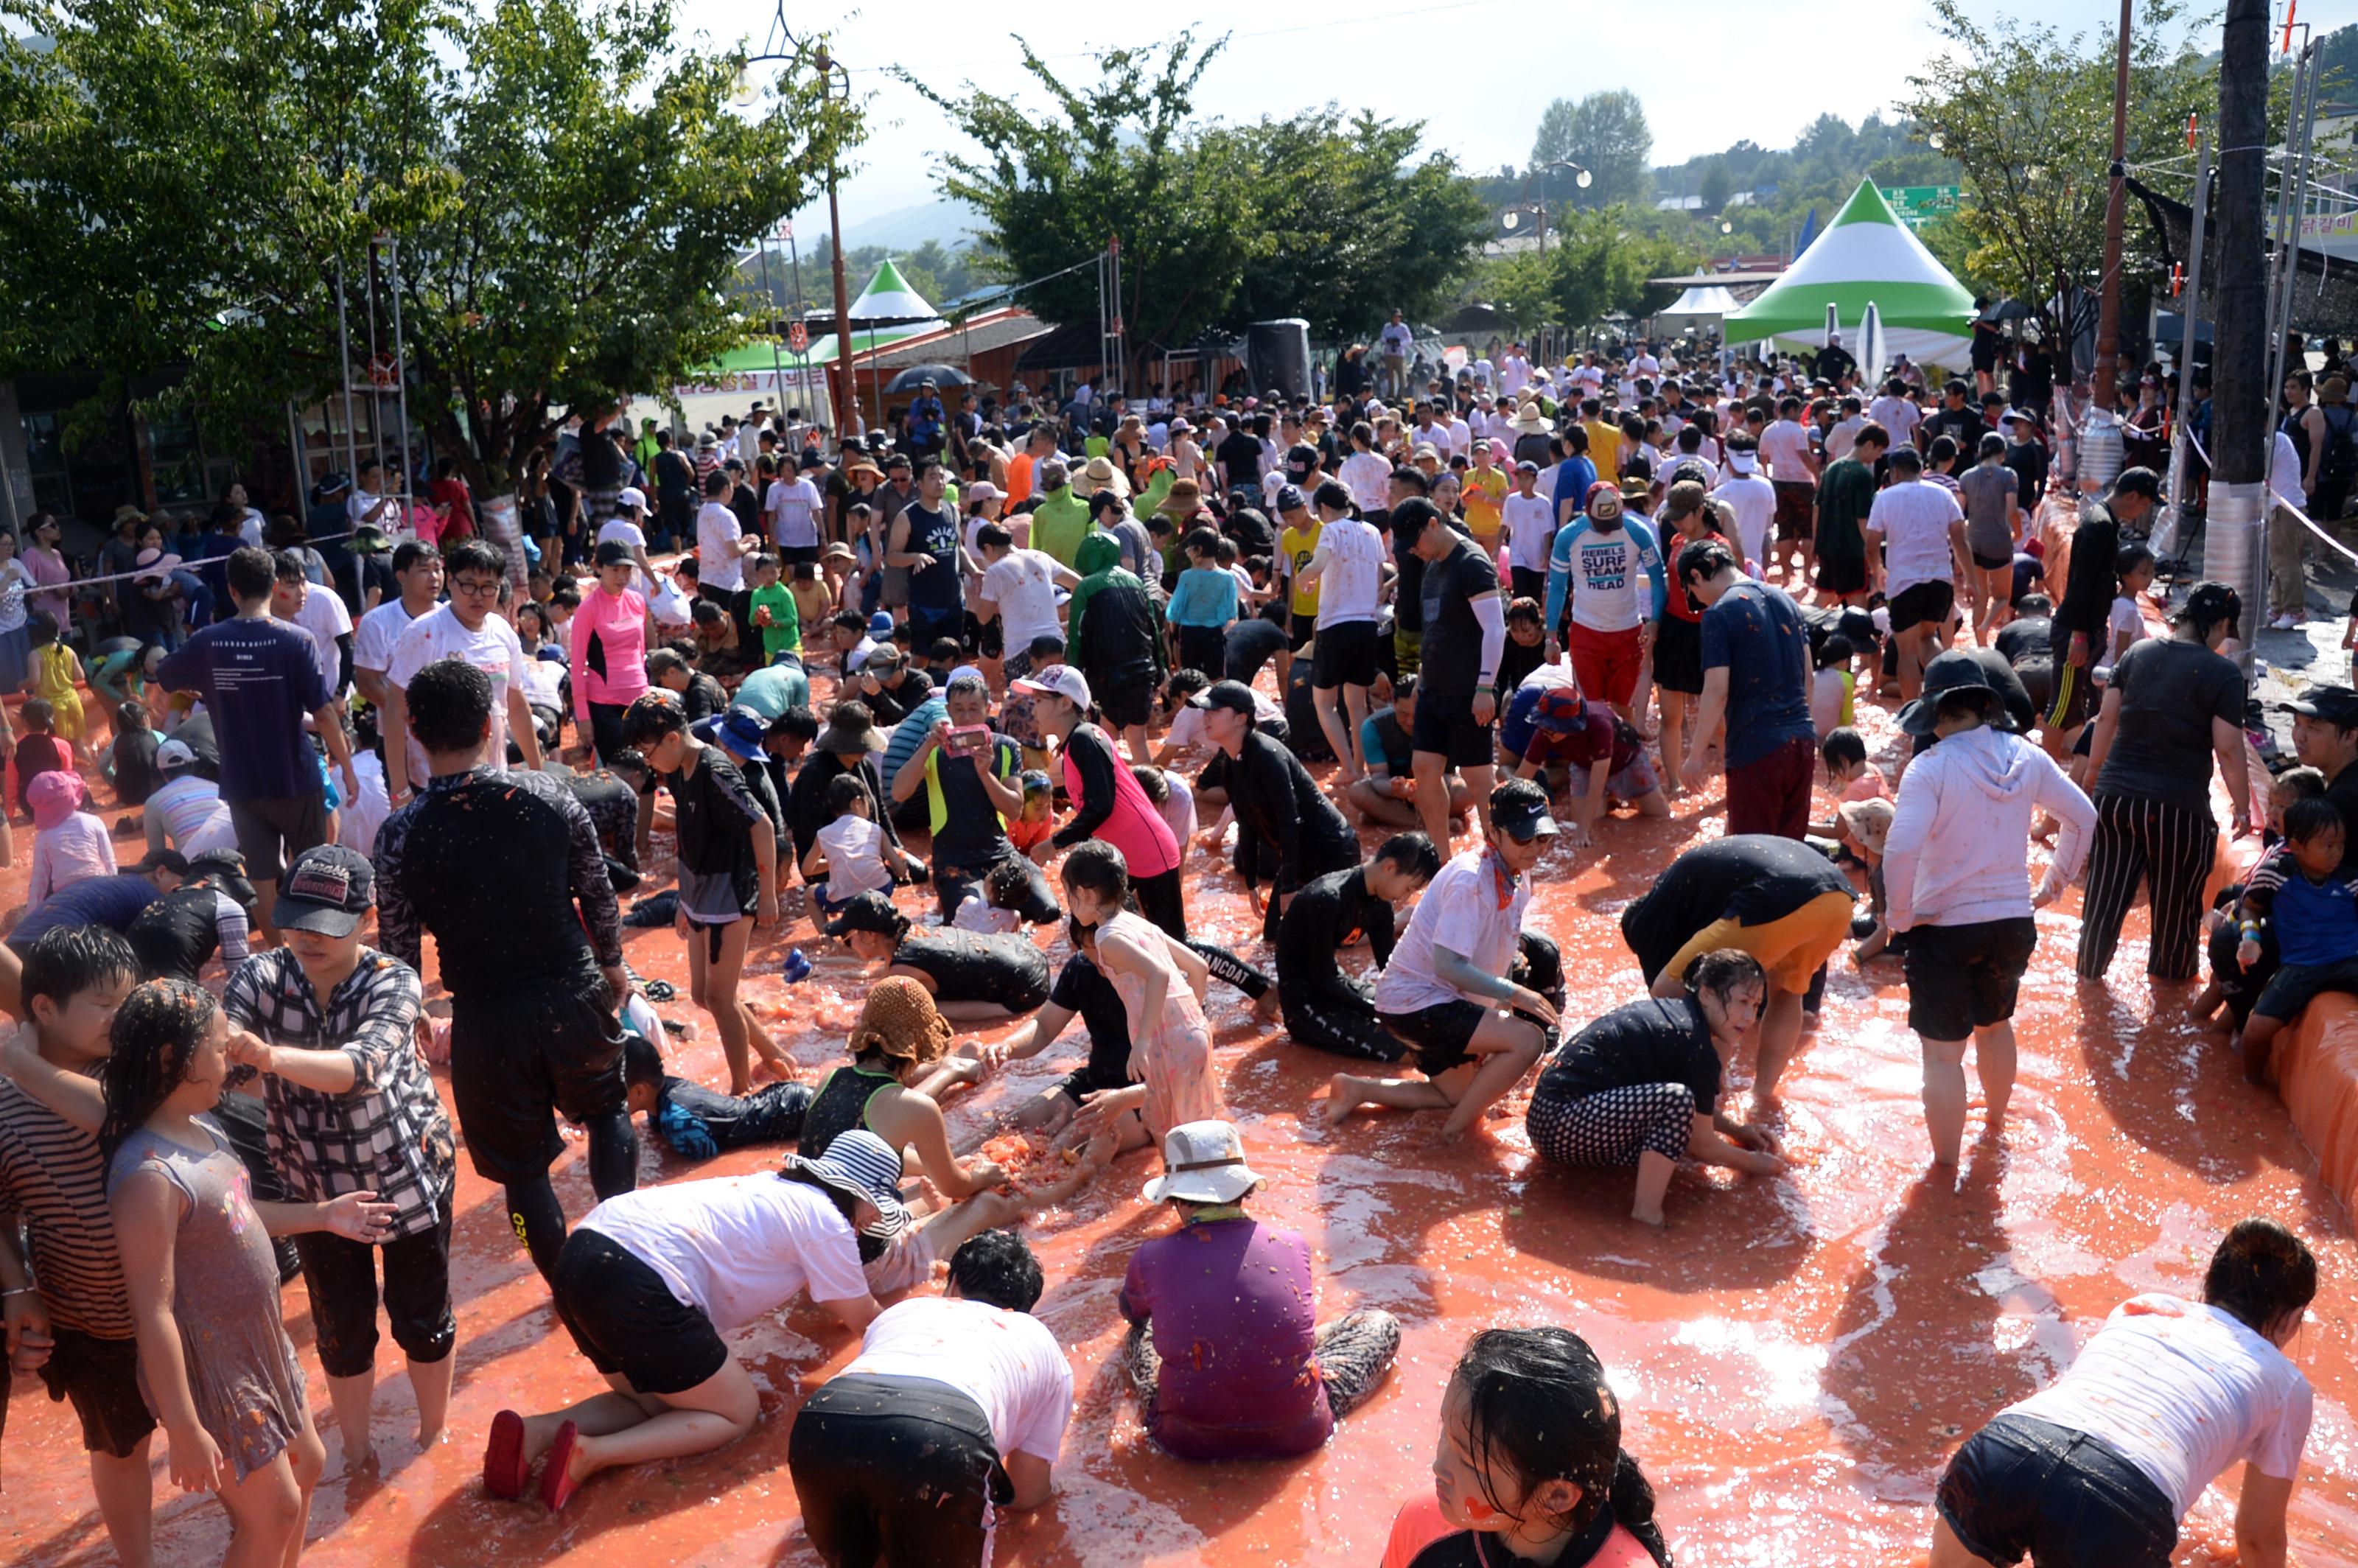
(2027, 111)
(1333, 219)
(1605, 133)
(1595, 263)
(568, 190)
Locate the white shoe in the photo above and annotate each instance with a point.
(2286, 624)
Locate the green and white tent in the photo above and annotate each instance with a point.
(1865, 256)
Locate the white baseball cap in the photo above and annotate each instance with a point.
(632, 497)
(1058, 680)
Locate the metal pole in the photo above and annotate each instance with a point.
(802, 355)
(2301, 130)
(376, 403)
(344, 338)
(2284, 234)
(400, 354)
(2105, 380)
(777, 369)
(2181, 439)
(848, 390)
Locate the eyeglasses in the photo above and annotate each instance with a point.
(476, 588)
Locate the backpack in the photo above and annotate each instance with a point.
(2339, 465)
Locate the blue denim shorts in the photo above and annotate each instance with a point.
(2067, 1498)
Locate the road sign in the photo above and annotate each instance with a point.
(785, 229)
(797, 337)
(1920, 206)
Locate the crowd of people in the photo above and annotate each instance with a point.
(1381, 656)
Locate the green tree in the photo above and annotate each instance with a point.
(1596, 262)
(1219, 224)
(1348, 223)
(1714, 187)
(1605, 133)
(568, 190)
(2027, 111)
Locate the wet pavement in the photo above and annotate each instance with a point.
(1797, 1356)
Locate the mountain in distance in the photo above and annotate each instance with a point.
(905, 228)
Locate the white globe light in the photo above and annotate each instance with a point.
(1584, 179)
(741, 89)
(1510, 220)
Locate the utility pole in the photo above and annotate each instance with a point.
(846, 390)
(2105, 383)
(2239, 351)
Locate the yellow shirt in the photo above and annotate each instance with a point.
(1299, 544)
(1605, 449)
(1485, 495)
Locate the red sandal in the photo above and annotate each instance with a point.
(505, 1468)
(557, 1487)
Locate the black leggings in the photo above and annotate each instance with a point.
(339, 1276)
(606, 730)
(1163, 901)
(535, 1216)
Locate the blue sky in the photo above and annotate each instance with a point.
(1479, 72)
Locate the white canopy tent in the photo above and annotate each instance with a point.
(1701, 307)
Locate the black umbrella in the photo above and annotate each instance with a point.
(915, 377)
(2007, 309)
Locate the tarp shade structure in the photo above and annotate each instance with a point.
(1712, 301)
(887, 301)
(1866, 254)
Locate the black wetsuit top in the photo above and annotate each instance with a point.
(1007, 968)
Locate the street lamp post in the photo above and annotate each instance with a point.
(831, 71)
(1582, 177)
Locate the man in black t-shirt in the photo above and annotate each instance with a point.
(1323, 1007)
(1408, 590)
(924, 541)
(1238, 457)
(1465, 637)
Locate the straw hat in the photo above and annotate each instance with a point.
(1101, 474)
(900, 1020)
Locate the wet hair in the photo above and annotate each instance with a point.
(66, 960)
(2312, 814)
(1723, 971)
(1993, 445)
(641, 1062)
(1834, 652)
(1008, 884)
(1703, 561)
(130, 716)
(849, 620)
(2129, 558)
(1149, 779)
(475, 556)
(1404, 689)
(996, 1269)
(2033, 605)
(1413, 854)
(629, 764)
(650, 717)
(991, 536)
(1525, 609)
(843, 791)
(158, 1028)
(1098, 867)
(449, 702)
(706, 614)
(966, 685)
(2299, 783)
(1530, 1393)
(1843, 747)
(1184, 683)
(797, 721)
(2261, 1272)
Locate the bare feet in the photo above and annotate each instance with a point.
(1265, 1006)
(1343, 1097)
(1654, 1218)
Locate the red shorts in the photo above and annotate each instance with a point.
(1607, 663)
(1772, 794)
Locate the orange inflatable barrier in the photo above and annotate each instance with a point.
(2315, 1065)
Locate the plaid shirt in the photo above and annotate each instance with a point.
(387, 1133)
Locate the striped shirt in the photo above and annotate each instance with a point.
(51, 1175)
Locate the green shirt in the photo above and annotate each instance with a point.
(1059, 524)
(772, 690)
(784, 634)
(1846, 495)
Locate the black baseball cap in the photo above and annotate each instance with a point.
(868, 911)
(1233, 695)
(327, 890)
(613, 553)
(1524, 819)
(2337, 704)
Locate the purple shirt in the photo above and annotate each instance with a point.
(1235, 1319)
